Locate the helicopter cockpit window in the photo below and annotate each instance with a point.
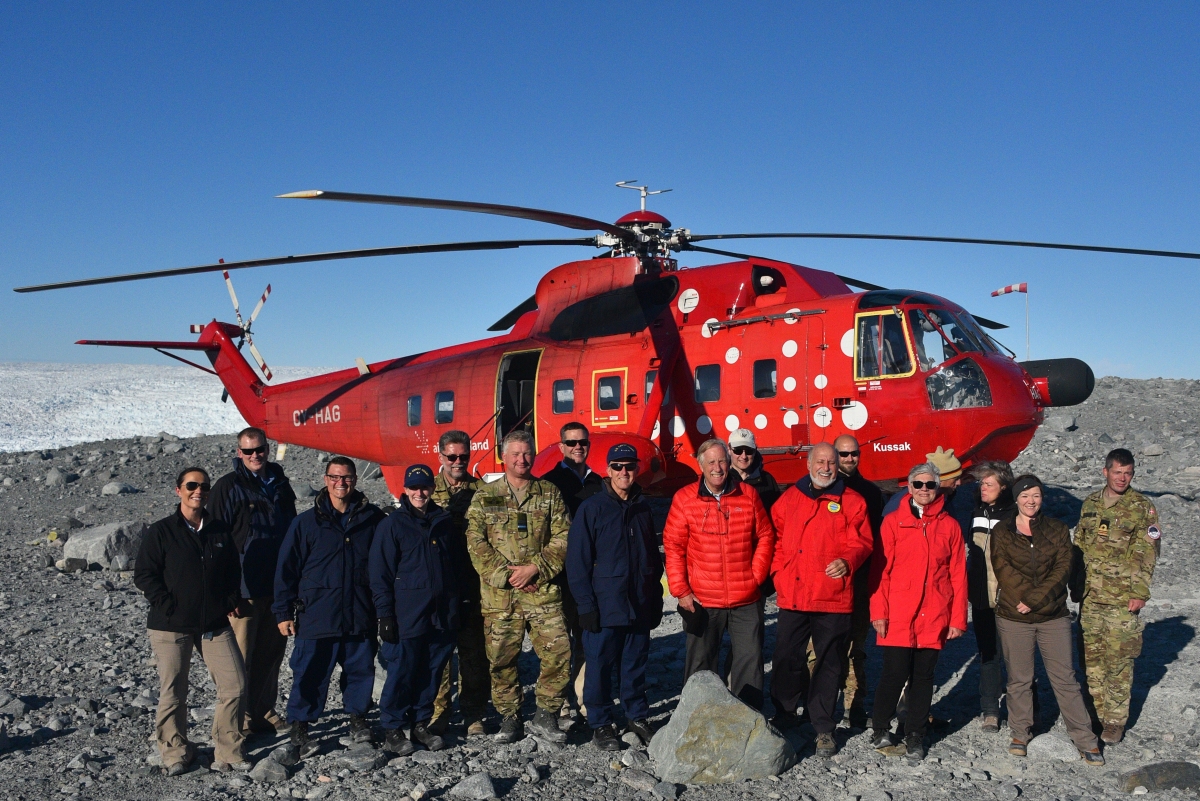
(708, 383)
(443, 407)
(564, 396)
(414, 410)
(932, 347)
(955, 331)
(882, 349)
(972, 327)
(959, 385)
(608, 393)
(764, 378)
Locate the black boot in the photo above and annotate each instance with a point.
(360, 730)
(545, 725)
(605, 738)
(422, 735)
(511, 730)
(299, 738)
(397, 743)
(642, 729)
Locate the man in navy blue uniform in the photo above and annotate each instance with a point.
(416, 571)
(615, 572)
(323, 599)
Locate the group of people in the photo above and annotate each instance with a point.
(572, 560)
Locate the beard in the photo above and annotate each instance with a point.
(822, 483)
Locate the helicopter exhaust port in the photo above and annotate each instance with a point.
(1061, 382)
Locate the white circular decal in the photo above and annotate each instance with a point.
(790, 419)
(789, 384)
(677, 426)
(792, 320)
(704, 424)
(732, 424)
(848, 342)
(689, 299)
(854, 416)
(731, 355)
(657, 429)
(822, 416)
(760, 422)
(820, 382)
(790, 348)
(705, 331)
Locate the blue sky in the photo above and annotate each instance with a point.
(146, 136)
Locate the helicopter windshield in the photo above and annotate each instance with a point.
(933, 347)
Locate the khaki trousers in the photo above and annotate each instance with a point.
(173, 652)
(262, 648)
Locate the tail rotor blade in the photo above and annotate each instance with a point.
(233, 297)
(262, 365)
(261, 301)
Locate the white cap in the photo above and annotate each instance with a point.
(742, 437)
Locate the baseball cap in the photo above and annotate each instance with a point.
(418, 475)
(742, 437)
(622, 452)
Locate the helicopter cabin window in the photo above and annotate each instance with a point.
(933, 348)
(882, 350)
(708, 383)
(564, 396)
(650, 376)
(764, 378)
(414, 410)
(443, 407)
(608, 393)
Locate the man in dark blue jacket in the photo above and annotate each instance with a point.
(256, 500)
(416, 571)
(323, 599)
(615, 571)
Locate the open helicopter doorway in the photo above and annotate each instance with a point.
(516, 393)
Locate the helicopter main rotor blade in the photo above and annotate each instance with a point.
(404, 250)
(540, 215)
(1170, 254)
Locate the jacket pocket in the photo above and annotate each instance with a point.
(412, 580)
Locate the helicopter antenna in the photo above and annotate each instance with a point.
(645, 190)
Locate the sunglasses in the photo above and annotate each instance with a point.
(744, 450)
(623, 467)
(332, 479)
(192, 486)
(576, 443)
(924, 484)
(848, 454)
(251, 451)
(457, 457)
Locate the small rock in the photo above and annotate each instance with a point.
(172, 447)
(1060, 422)
(286, 755)
(102, 544)
(15, 708)
(59, 478)
(875, 795)
(72, 565)
(477, 787)
(1050, 747)
(428, 757)
(363, 759)
(1140, 790)
(1152, 450)
(638, 779)
(418, 792)
(633, 758)
(632, 740)
(1008, 791)
(669, 791)
(532, 773)
(117, 488)
(268, 771)
(1105, 439)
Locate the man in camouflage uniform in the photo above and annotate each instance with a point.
(453, 488)
(517, 536)
(1118, 538)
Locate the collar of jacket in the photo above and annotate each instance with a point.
(206, 518)
(929, 512)
(432, 511)
(635, 493)
(273, 470)
(731, 486)
(834, 490)
(324, 506)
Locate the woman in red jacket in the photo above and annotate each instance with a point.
(919, 602)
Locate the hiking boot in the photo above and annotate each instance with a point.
(643, 730)
(826, 745)
(605, 738)
(305, 746)
(225, 767)
(422, 734)
(1093, 758)
(395, 741)
(1113, 733)
(545, 725)
(785, 721)
(1017, 747)
(914, 747)
(475, 728)
(990, 724)
(511, 730)
(360, 730)
(881, 739)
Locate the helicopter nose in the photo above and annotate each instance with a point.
(1061, 382)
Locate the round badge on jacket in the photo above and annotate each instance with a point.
(1154, 532)
(834, 507)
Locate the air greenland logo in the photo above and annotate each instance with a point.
(887, 447)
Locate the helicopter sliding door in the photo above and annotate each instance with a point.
(516, 393)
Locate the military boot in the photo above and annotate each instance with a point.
(545, 725)
(1113, 733)
(305, 746)
(360, 730)
(511, 730)
(397, 743)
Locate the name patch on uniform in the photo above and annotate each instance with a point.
(1154, 532)
(491, 500)
(834, 507)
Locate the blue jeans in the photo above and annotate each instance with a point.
(312, 666)
(414, 673)
(627, 648)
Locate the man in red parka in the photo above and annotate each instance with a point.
(718, 543)
(824, 536)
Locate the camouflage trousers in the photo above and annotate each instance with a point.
(506, 633)
(1112, 640)
(473, 682)
(853, 680)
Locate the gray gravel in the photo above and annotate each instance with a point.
(78, 687)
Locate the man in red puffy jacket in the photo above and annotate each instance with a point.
(718, 543)
(824, 536)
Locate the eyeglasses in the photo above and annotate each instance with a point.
(261, 449)
(457, 457)
(623, 467)
(744, 450)
(924, 484)
(192, 486)
(332, 479)
(576, 443)
(848, 454)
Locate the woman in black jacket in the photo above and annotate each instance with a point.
(189, 571)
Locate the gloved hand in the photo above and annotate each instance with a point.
(387, 630)
(590, 621)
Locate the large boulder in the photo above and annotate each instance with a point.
(112, 546)
(1162, 776)
(713, 738)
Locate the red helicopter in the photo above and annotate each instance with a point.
(644, 351)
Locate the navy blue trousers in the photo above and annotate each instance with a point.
(312, 666)
(627, 648)
(414, 673)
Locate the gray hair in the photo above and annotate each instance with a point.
(454, 437)
(997, 470)
(709, 444)
(520, 435)
(924, 469)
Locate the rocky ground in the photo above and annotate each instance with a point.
(78, 687)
